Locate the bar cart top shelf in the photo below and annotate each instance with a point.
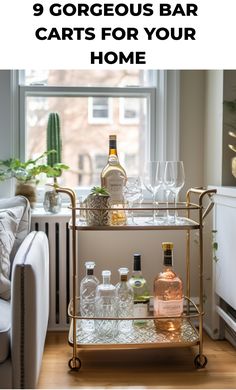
(141, 218)
(186, 224)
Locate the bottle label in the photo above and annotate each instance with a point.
(114, 182)
(168, 308)
(140, 310)
(137, 283)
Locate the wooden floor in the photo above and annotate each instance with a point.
(140, 369)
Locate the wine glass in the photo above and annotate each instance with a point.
(168, 185)
(152, 181)
(133, 193)
(173, 182)
(179, 179)
(160, 184)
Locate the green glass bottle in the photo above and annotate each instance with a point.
(141, 291)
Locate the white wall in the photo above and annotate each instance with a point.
(192, 110)
(113, 250)
(212, 175)
(213, 128)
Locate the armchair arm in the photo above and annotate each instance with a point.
(30, 309)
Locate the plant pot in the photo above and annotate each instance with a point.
(27, 189)
(52, 202)
(101, 216)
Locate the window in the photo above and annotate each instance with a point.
(129, 111)
(130, 103)
(99, 110)
(130, 163)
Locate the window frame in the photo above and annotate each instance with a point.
(163, 103)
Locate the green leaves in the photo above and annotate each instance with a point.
(30, 169)
(101, 191)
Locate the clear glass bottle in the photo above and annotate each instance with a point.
(168, 293)
(88, 287)
(125, 301)
(106, 306)
(140, 290)
(113, 178)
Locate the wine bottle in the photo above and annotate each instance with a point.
(113, 178)
(141, 292)
(168, 293)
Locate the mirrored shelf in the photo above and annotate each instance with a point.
(147, 336)
(141, 224)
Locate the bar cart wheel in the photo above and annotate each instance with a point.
(74, 364)
(200, 361)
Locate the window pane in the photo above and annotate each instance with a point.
(99, 110)
(100, 107)
(129, 110)
(100, 113)
(85, 144)
(119, 78)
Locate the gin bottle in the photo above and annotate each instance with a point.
(140, 290)
(125, 301)
(113, 178)
(106, 306)
(88, 287)
(168, 293)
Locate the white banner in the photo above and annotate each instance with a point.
(117, 34)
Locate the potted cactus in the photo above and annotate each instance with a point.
(54, 141)
(98, 199)
(52, 200)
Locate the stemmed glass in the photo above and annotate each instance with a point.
(160, 184)
(152, 180)
(133, 193)
(179, 179)
(173, 181)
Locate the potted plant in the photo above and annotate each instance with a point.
(52, 199)
(99, 200)
(27, 174)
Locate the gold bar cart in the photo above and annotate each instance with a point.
(148, 336)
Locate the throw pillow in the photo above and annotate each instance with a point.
(9, 221)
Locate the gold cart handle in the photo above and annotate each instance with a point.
(202, 192)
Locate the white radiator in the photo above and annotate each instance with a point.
(56, 228)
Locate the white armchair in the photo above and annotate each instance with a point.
(23, 319)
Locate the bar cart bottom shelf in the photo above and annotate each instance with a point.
(142, 336)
